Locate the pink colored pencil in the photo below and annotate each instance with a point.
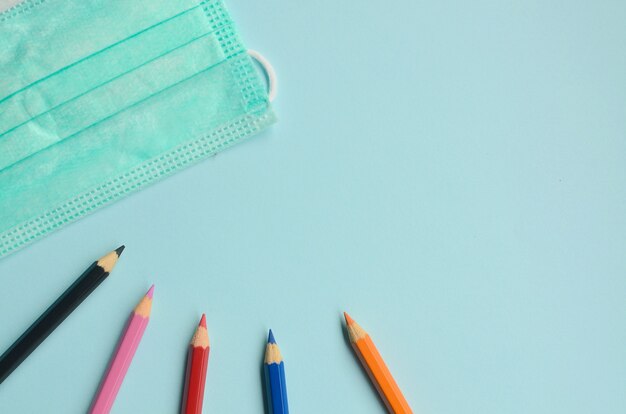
(123, 356)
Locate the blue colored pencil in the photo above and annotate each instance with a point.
(276, 387)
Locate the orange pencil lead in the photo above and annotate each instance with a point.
(349, 320)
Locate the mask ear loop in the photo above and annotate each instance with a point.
(269, 70)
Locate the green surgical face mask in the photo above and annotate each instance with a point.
(100, 97)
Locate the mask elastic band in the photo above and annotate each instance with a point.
(269, 70)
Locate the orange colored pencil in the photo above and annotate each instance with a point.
(376, 368)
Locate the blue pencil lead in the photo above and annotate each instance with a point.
(270, 338)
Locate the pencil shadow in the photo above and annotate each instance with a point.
(183, 377)
(346, 338)
(262, 374)
(184, 363)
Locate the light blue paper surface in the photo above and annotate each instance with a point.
(452, 174)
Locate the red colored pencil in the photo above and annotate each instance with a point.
(197, 362)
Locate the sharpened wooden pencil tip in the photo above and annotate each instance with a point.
(349, 320)
(201, 335)
(272, 352)
(108, 262)
(119, 250)
(144, 307)
(355, 332)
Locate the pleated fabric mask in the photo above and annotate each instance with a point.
(100, 97)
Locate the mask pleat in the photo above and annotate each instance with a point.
(104, 102)
(39, 33)
(102, 66)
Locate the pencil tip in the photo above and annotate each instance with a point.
(107, 262)
(203, 321)
(150, 292)
(349, 320)
(270, 338)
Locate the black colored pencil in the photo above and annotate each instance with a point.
(57, 312)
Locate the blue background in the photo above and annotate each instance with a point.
(451, 173)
